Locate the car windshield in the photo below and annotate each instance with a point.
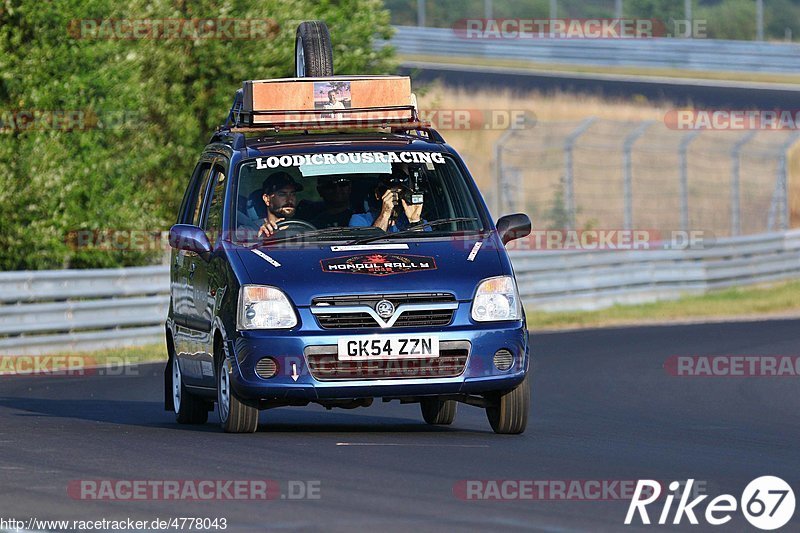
(351, 196)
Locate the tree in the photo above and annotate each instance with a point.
(170, 93)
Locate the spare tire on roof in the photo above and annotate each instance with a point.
(313, 52)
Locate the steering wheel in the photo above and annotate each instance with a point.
(295, 225)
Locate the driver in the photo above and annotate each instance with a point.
(336, 212)
(279, 192)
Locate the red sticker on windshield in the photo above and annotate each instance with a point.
(378, 264)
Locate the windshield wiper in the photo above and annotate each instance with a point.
(316, 233)
(415, 229)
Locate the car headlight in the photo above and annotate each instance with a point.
(496, 299)
(262, 307)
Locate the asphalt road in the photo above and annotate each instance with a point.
(679, 91)
(604, 409)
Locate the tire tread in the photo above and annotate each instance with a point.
(317, 48)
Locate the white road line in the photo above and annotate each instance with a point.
(416, 445)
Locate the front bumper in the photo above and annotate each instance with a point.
(295, 381)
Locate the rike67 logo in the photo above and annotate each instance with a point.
(767, 503)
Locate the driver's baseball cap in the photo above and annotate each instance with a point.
(278, 181)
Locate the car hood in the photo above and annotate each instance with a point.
(440, 265)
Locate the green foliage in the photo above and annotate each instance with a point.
(664, 10)
(171, 94)
(557, 214)
(780, 15)
(733, 19)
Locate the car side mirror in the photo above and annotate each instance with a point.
(511, 227)
(189, 238)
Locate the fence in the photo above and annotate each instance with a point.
(692, 54)
(67, 311)
(625, 175)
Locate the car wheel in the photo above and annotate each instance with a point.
(438, 412)
(189, 409)
(508, 410)
(313, 51)
(234, 416)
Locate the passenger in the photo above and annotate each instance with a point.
(336, 212)
(387, 214)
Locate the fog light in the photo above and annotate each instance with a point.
(503, 359)
(266, 368)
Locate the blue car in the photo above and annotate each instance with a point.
(336, 262)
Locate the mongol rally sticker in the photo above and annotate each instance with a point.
(378, 264)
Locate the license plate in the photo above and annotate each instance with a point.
(387, 347)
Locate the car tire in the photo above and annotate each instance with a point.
(508, 410)
(189, 408)
(438, 412)
(313, 53)
(234, 416)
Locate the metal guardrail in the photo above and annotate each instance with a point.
(692, 54)
(590, 280)
(82, 310)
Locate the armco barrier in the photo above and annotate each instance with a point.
(692, 54)
(588, 280)
(80, 310)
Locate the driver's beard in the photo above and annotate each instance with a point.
(283, 212)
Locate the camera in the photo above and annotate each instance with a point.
(408, 187)
(413, 194)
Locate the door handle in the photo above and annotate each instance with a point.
(192, 268)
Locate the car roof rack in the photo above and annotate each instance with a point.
(261, 107)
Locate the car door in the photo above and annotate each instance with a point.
(183, 265)
(204, 279)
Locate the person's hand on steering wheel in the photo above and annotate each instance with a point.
(268, 228)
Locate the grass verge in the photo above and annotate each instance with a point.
(78, 363)
(148, 353)
(759, 301)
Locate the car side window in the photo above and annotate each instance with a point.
(213, 221)
(197, 203)
(185, 215)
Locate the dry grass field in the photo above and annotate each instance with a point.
(655, 159)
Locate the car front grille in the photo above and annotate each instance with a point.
(409, 318)
(324, 365)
